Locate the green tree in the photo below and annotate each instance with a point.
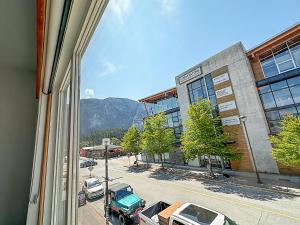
(157, 138)
(204, 135)
(286, 145)
(115, 141)
(131, 141)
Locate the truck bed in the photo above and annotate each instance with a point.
(152, 211)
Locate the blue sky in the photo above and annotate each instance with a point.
(140, 46)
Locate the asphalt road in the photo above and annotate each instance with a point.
(246, 206)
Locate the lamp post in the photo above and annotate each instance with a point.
(243, 120)
(106, 142)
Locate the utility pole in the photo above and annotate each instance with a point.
(106, 142)
(243, 119)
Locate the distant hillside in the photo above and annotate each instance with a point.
(101, 114)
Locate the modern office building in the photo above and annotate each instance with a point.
(260, 85)
(226, 79)
(276, 68)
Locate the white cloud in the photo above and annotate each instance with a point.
(107, 68)
(89, 93)
(168, 7)
(120, 8)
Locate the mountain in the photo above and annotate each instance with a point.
(101, 114)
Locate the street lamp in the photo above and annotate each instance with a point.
(106, 142)
(243, 120)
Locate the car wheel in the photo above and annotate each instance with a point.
(122, 220)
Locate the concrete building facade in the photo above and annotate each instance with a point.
(235, 95)
(260, 85)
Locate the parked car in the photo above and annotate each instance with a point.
(162, 213)
(88, 163)
(124, 203)
(92, 188)
(81, 198)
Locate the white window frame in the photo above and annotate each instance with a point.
(277, 64)
(83, 16)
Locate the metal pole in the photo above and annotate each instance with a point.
(106, 185)
(254, 163)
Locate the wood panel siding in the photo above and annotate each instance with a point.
(235, 132)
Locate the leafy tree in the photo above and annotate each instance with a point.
(204, 135)
(115, 141)
(286, 145)
(157, 138)
(131, 141)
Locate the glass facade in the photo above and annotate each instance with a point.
(287, 58)
(170, 107)
(280, 98)
(162, 105)
(202, 88)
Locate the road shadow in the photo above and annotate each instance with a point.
(225, 185)
(95, 199)
(138, 169)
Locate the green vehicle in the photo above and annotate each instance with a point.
(123, 202)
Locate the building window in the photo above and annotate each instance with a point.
(295, 51)
(279, 99)
(269, 67)
(202, 89)
(162, 105)
(287, 58)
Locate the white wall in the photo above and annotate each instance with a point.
(18, 113)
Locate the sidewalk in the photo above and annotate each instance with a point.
(270, 182)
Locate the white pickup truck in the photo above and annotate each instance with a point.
(178, 213)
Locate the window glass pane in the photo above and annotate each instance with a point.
(213, 100)
(282, 56)
(296, 93)
(283, 97)
(284, 112)
(296, 54)
(199, 93)
(278, 85)
(264, 89)
(294, 81)
(272, 115)
(64, 148)
(268, 100)
(269, 67)
(209, 82)
(298, 108)
(211, 91)
(274, 126)
(286, 66)
(196, 84)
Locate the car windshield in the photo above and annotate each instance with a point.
(94, 184)
(122, 193)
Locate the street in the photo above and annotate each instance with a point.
(244, 205)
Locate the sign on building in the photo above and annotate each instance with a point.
(227, 106)
(224, 92)
(190, 75)
(221, 78)
(231, 120)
